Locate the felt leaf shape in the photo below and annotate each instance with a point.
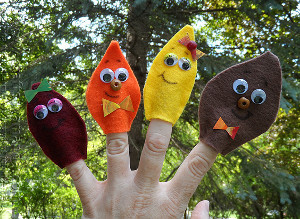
(113, 93)
(56, 126)
(44, 86)
(171, 79)
(246, 95)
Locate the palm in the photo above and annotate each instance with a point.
(139, 194)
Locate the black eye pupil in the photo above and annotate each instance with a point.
(122, 77)
(170, 61)
(107, 77)
(55, 108)
(240, 88)
(40, 115)
(258, 99)
(186, 66)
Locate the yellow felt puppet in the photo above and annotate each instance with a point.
(172, 77)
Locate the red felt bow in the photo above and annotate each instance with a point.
(192, 47)
(230, 130)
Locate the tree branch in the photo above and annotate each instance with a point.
(171, 174)
(197, 11)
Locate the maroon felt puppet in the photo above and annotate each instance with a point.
(240, 103)
(56, 125)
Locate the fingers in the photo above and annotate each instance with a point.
(153, 154)
(118, 161)
(191, 171)
(201, 210)
(84, 180)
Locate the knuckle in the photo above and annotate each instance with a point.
(116, 146)
(172, 212)
(198, 166)
(141, 204)
(76, 172)
(157, 143)
(88, 212)
(171, 208)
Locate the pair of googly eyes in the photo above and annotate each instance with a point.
(258, 96)
(184, 63)
(107, 75)
(41, 111)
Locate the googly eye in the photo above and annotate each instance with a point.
(122, 74)
(54, 105)
(240, 86)
(40, 112)
(258, 96)
(107, 75)
(170, 59)
(185, 64)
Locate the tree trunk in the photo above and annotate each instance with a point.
(138, 36)
(14, 211)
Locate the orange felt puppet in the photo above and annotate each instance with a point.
(113, 93)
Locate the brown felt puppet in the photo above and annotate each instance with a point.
(56, 125)
(240, 103)
(113, 93)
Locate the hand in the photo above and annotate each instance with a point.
(139, 194)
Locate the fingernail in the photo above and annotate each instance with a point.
(207, 205)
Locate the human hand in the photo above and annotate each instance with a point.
(139, 194)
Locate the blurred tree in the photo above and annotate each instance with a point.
(65, 40)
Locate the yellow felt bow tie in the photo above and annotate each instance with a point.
(230, 130)
(109, 106)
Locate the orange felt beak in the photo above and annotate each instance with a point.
(106, 93)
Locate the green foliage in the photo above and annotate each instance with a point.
(63, 41)
(40, 190)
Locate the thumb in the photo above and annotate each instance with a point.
(201, 211)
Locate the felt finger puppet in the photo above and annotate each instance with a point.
(113, 93)
(240, 103)
(55, 125)
(171, 77)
